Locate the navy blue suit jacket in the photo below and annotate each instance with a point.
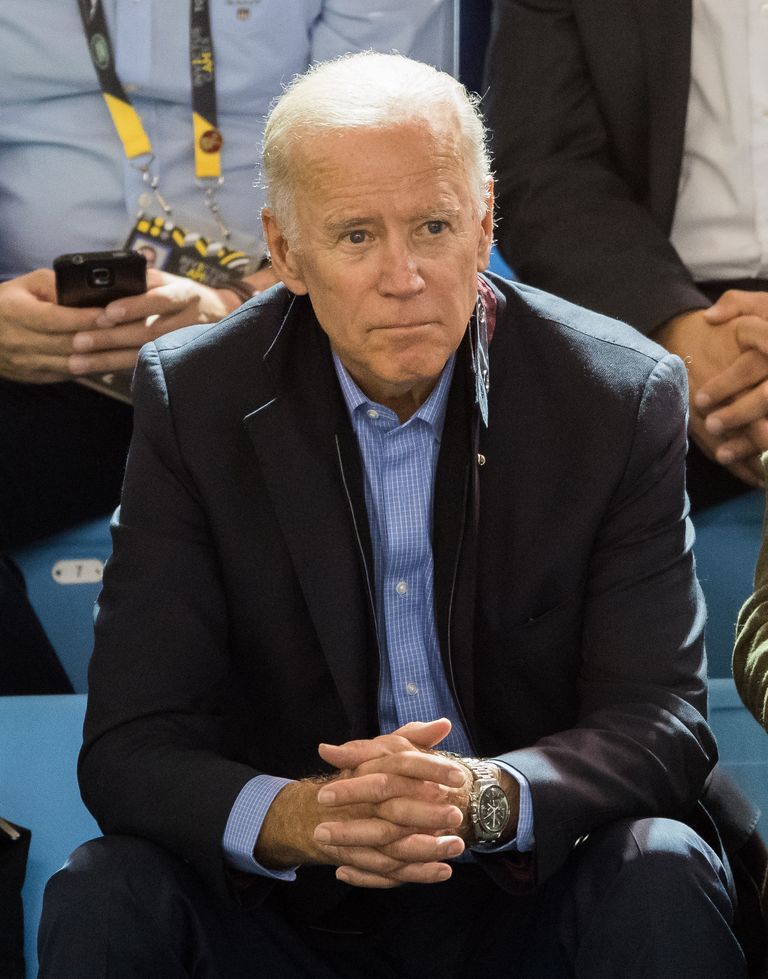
(235, 625)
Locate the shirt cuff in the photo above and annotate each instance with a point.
(244, 825)
(524, 841)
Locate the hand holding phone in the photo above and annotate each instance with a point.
(98, 278)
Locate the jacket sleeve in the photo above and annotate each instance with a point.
(154, 759)
(568, 221)
(750, 654)
(640, 745)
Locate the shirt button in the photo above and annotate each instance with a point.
(372, 413)
(411, 688)
(401, 587)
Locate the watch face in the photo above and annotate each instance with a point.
(493, 809)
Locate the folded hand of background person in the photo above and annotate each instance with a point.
(725, 349)
(735, 403)
(41, 342)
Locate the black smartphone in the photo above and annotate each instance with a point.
(98, 278)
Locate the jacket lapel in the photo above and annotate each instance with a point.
(454, 537)
(300, 437)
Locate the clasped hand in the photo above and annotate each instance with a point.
(396, 812)
(725, 349)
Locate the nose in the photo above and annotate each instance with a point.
(400, 275)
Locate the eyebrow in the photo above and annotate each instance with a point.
(349, 224)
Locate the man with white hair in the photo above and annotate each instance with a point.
(399, 664)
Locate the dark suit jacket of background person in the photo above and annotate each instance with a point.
(587, 104)
(235, 629)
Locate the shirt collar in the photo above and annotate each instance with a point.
(432, 412)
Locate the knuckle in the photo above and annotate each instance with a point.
(435, 792)
(380, 786)
(386, 785)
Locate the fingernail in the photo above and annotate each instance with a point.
(78, 365)
(82, 341)
(702, 400)
(456, 777)
(115, 312)
(725, 456)
(714, 424)
(103, 320)
(326, 796)
(322, 834)
(449, 846)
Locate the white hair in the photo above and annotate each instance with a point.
(376, 91)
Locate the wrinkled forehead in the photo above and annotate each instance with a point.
(355, 154)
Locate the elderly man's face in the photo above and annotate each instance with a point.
(388, 248)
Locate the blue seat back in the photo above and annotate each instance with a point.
(63, 576)
(40, 738)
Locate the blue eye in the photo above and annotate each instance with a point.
(435, 227)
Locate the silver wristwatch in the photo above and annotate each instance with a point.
(488, 803)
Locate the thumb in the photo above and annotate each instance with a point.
(721, 311)
(425, 734)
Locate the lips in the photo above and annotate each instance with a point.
(400, 326)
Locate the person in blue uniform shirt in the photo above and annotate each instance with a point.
(67, 185)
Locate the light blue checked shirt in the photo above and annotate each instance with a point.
(400, 462)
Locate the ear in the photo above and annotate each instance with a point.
(485, 240)
(284, 257)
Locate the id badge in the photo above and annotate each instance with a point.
(171, 248)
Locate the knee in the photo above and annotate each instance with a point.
(668, 860)
(119, 906)
(671, 847)
(107, 866)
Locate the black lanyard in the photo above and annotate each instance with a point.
(136, 143)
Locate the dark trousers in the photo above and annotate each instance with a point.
(62, 456)
(645, 898)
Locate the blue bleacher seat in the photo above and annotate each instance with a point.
(63, 576)
(727, 541)
(40, 739)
